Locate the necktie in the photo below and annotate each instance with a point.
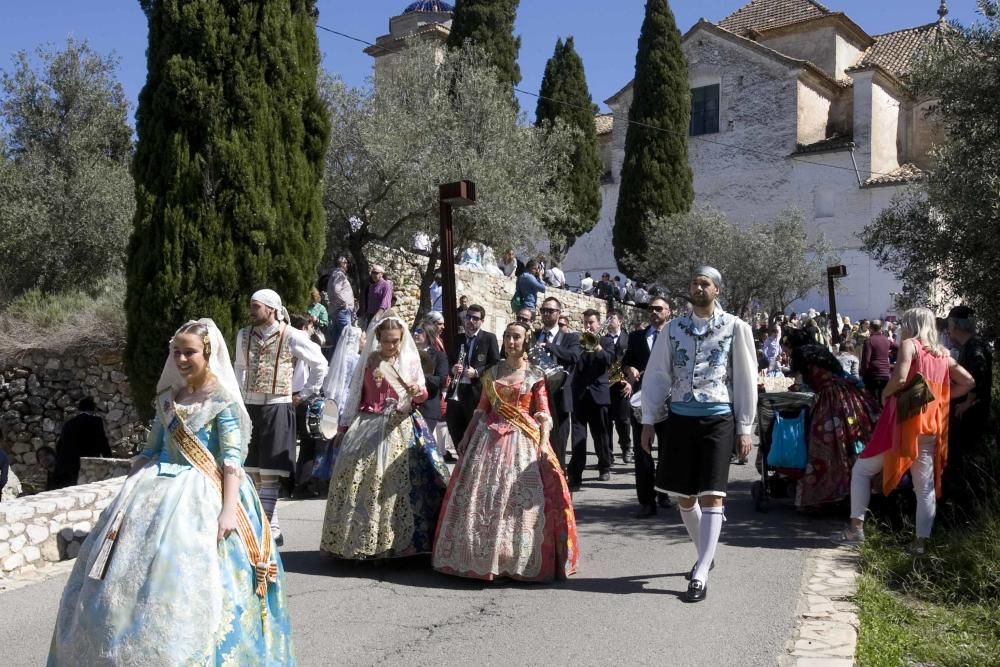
(655, 334)
(545, 336)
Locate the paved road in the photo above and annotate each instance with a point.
(622, 608)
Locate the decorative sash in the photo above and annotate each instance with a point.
(265, 568)
(511, 413)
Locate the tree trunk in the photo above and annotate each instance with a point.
(425, 281)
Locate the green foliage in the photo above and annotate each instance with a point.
(656, 178)
(232, 137)
(489, 25)
(429, 123)
(770, 263)
(565, 98)
(947, 231)
(66, 201)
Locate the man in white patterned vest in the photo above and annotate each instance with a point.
(265, 357)
(704, 372)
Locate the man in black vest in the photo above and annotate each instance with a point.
(616, 342)
(634, 365)
(564, 346)
(591, 398)
(480, 351)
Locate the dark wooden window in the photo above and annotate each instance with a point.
(705, 110)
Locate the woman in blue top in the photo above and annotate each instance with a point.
(194, 576)
(529, 284)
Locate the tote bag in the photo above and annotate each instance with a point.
(788, 442)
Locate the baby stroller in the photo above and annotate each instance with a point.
(777, 482)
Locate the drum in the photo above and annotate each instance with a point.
(330, 420)
(635, 402)
(314, 417)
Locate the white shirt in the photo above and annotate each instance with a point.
(436, 292)
(586, 285)
(658, 379)
(306, 352)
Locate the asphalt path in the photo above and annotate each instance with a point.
(623, 607)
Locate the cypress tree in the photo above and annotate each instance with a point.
(564, 95)
(230, 153)
(489, 24)
(656, 176)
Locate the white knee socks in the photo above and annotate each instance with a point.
(692, 521)
(708, 540)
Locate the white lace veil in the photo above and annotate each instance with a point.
(222, 368)
(339, 375)
(407, 364)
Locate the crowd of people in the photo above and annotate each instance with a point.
(197, 517)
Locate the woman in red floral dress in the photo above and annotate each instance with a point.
(507, 511)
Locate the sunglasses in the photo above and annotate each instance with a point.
(474, 318)
(524, 320)
(549, 311)
(657, 309)
(418, 331)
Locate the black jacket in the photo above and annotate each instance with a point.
(485, 353)
(565, 347)
(637, 353)
(431, 408)
(617, 351)
(83, 435)
(591, 377)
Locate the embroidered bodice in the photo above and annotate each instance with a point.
(509, 406)
(377, 393)
(215, 424)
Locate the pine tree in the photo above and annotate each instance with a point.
(656, 176)
(489, 24)
(564, 96)
(230, 154)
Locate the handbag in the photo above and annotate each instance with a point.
(912, 397)
(788, 442)
(516, 302)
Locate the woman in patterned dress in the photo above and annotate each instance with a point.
(508, 512)
(388, 481)
(841, 421)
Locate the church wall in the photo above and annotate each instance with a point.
(818, 46)
(813, 109)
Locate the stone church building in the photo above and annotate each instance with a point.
(794, 105)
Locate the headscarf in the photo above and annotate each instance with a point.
(711, 274)
(221, 367)
(270, 298)
(342, 366)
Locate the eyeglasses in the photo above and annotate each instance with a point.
(524, 320)
(418, 331)
(657, 309)
(474, 318)
(549, 311)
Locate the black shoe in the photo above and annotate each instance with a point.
(627, 457)
(696, 592)
(574, 485)
(666, 502)
(691, 573)
(279, 540)
(646, 511)
(605, 476)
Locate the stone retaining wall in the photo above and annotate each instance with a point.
(98, 470)
(50, 526)
(39, 393)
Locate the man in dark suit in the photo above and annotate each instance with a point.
(83, 435)
(564, 346)
(619, 413)
(480, 352)
(591, 398)
(634, 365)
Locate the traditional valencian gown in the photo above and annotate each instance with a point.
(508, 511)
(171, 593)
(388, 480)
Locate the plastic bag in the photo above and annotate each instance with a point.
(788, 442)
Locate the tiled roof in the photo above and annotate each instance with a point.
(895, 51)
(758, 15)
(905, 173)
(834, 143)
(604, 122)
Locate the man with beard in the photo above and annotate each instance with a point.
(634, 366)
(265, 356)
(564, 347)
(706, 365)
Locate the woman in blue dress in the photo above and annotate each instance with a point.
(180, 569)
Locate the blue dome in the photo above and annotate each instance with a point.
(429, 6)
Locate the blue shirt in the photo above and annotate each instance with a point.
(527, 288)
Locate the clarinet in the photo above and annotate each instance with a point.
(453, 393)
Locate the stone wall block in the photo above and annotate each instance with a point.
(78, 515)
(36, 534)
(13, 562)
(31, 554)
(17, 543)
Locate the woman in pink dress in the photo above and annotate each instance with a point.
(507, 511)
(388, 482)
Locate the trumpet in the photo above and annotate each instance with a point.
(453, 392)
(590, 341)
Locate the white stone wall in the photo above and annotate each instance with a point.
(50, 526)
(813, 113)
(760, 112)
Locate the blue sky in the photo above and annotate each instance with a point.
(605, 31)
